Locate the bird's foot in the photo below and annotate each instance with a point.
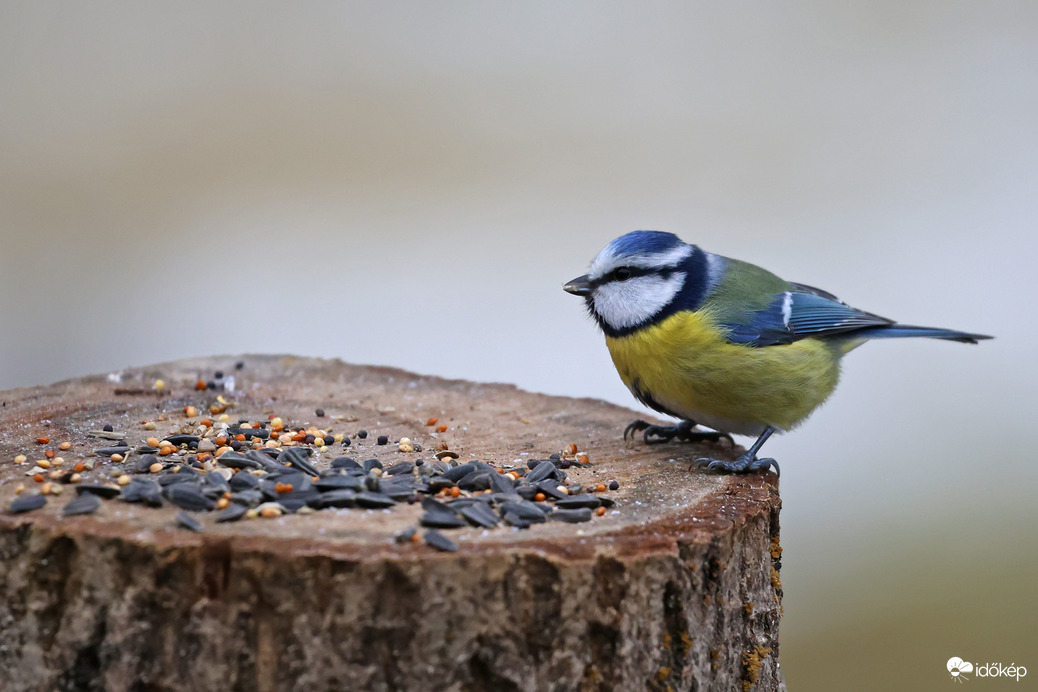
(683, 432)
(746, 463)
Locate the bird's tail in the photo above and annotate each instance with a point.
(898, 331)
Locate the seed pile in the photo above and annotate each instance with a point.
(249, 469)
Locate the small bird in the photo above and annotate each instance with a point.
(723, 343)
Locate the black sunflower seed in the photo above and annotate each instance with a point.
(84, 503)
(456, 473)
(182, 439)
(442, 520)
(298, 457)
(250, 433)
(267, 458)
(145, 462)
(500, 483)
(27, 503)
(169, 479)
(401, 468)
(438, 468)
(108, 492)
(143, 490)
(551, 489)
(543, 470)
(578, 501)
(397, 488)
(477, 480)
(345, 463)
(248, 498)
(237, 461)
(243, 481)
(438, 483)
(437, 540)
(293, 504)
(480, 515)
(188, 496)
(109, 451)
(371, 500)
(572, 516)
(339, 482)
(335, 498)
(525, 510)
(216, 482)
(513, 519)
(188, 522)
(233, 512)
(527, 492)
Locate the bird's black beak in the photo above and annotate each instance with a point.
(579, 286)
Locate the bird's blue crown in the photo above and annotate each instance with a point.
(644, 243)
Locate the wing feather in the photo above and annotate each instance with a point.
(800, 313)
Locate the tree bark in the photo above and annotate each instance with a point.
(675, 587)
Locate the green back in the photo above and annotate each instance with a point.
(744, 289)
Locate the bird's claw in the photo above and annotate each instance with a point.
(744, 464)
(635, 427)
(683, 432)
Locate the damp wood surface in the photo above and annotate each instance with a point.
(674, 586)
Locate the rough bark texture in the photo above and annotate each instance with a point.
(675, 588)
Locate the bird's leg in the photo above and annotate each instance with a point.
(747, 462)
(683, 432)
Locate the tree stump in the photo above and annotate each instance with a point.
(674, 586)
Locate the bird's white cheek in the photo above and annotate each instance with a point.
(625, 304)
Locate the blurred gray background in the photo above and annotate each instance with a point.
(411, 183)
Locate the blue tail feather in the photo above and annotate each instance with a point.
(898, 331)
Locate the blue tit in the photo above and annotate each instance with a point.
(723, 343)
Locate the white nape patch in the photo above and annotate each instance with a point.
(608, 260)
(715, 266)
(787, 307)
(624, 304)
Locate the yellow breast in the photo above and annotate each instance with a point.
(685, 365)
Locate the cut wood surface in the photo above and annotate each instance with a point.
(675, 586)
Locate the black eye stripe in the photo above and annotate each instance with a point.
(632, 272)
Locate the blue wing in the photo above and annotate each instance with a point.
(798, 313)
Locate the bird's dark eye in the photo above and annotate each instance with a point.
(621, 274)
